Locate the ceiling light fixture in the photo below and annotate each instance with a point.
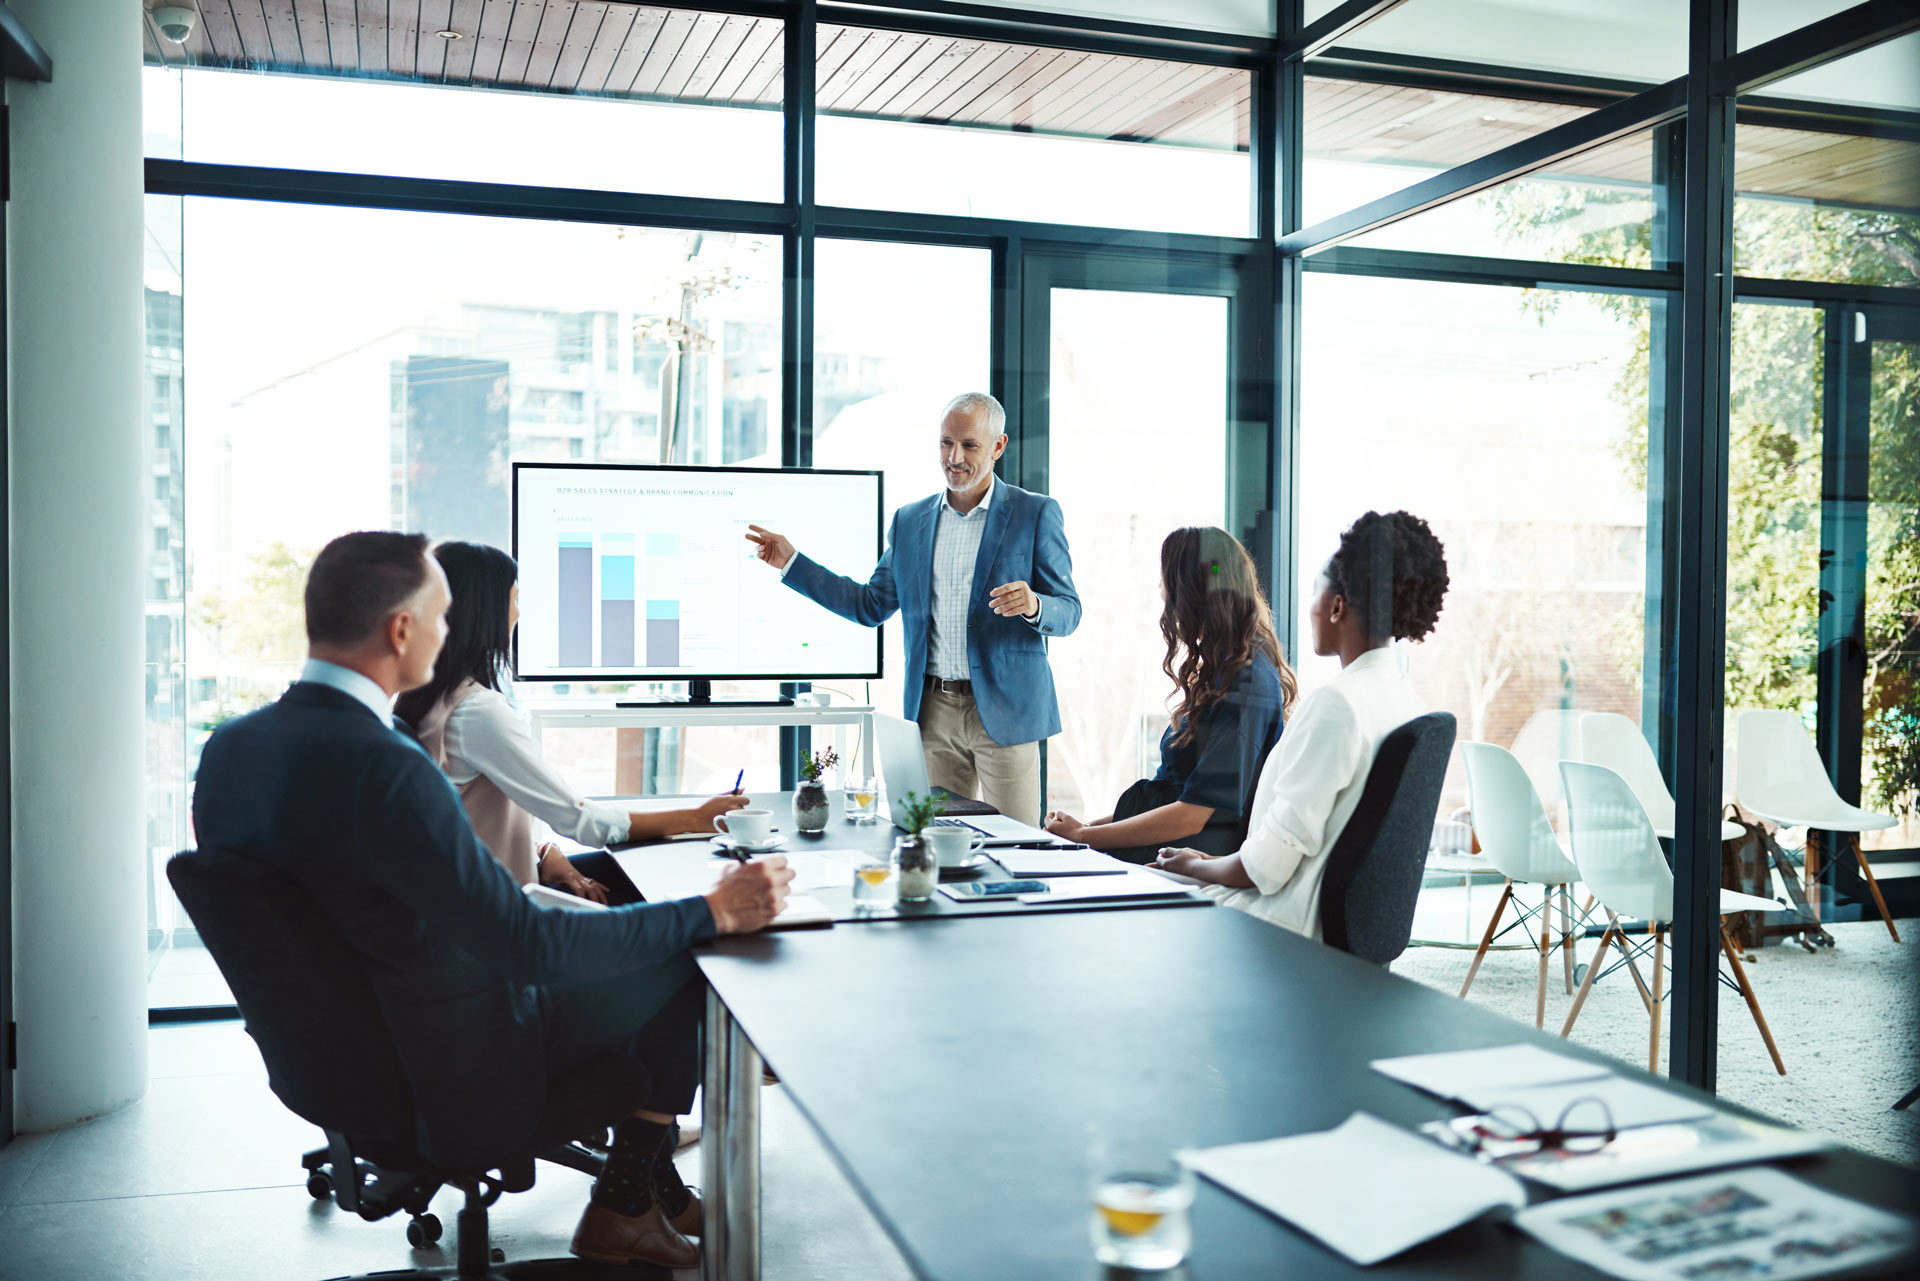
(449, 34)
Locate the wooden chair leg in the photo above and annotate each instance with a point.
(1566, 934)
(1659, 979)
(1753, 1002)
(1486, 940)
(1810, 857)
(1546, 950)
(1633, 966)
(1586, 984)
(1867, 872)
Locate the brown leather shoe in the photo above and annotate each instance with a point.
(687, 1222)
(647, 1238)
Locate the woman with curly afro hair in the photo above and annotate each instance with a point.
(1385, 583)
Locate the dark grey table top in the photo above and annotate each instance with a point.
(671, 869)
(954, 1067)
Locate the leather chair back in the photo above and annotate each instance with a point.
(1375, 867)
(303, 992)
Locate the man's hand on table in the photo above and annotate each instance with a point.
(750, 895)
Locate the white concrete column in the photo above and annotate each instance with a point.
(78, 502)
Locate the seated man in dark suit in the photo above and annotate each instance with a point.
(484, 993)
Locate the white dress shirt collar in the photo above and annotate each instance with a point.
(352, 684)
(986, 499)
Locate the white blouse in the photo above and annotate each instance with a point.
(486, 734)
(1310, 786)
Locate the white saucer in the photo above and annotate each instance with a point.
(966, 864)
(729, 843)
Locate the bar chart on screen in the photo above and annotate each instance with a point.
(641, 571)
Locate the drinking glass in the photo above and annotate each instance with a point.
(874, 884)
(1141, 1196)
(863, 800)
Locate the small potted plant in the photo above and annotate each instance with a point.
(915, 862)
(810, 798)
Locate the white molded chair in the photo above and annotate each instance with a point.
(1519, 841)
(1782, 780)
(1621, 862)
(1550, 736)
(1610, 739)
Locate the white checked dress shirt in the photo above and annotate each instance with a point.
(956, 546)
(1311, 785)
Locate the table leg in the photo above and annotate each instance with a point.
(730, 1150)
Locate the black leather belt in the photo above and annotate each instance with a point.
(963, 688)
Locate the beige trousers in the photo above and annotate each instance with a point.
(962, 759)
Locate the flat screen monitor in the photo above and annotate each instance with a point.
(645, 573)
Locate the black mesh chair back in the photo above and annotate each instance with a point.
(303, 992)
(1376, 865)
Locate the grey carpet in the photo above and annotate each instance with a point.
(1845, 1018)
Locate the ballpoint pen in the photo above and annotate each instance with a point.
(736, 780)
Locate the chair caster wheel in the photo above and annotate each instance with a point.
(497, 1255)
(319, 1186)
(423, 1231)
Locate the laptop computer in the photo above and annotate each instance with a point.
(904, 767)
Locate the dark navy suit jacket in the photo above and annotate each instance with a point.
(1025, 540)
(360, 817)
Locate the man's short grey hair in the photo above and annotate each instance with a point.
(978, 402)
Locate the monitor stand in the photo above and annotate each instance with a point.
(700, 694)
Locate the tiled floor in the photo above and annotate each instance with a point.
(202, 1179)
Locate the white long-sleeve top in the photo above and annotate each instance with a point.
(1310, 786)
(487, 735)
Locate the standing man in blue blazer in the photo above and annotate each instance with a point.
(981, 576)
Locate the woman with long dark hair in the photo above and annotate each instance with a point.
(1231, 691)
(1385, 582)
(466, 722)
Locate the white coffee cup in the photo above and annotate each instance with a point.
(746, 827)
(952, 846)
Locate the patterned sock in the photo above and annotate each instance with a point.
(668, 1188)
(625, 1186)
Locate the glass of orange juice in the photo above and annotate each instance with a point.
(1141, 1195)
(862, 800)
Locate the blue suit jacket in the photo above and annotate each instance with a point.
(315, 787)
(1025, 540)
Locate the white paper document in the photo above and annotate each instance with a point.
(1135, 882)
(1744, 1223)
(1366, 1189)
(1628, 1103)
(1490, 1073)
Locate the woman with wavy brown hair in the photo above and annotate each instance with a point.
(1231, 691)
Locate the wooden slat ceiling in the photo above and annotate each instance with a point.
(616, 49)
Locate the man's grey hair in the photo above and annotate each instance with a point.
(978, 402)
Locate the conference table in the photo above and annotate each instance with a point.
(956, 1065)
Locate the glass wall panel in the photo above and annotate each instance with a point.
(939, 124)
(1130, 373)
(174, 974)
(1644, 40)
(1890, 760)
(1366, 139)
(389, 377)
(1515, 422)
(899, 330)
(1829, 204)
(1596, 207)
(627, 98)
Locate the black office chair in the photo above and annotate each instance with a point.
(1375, 868)
(308, 1006)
